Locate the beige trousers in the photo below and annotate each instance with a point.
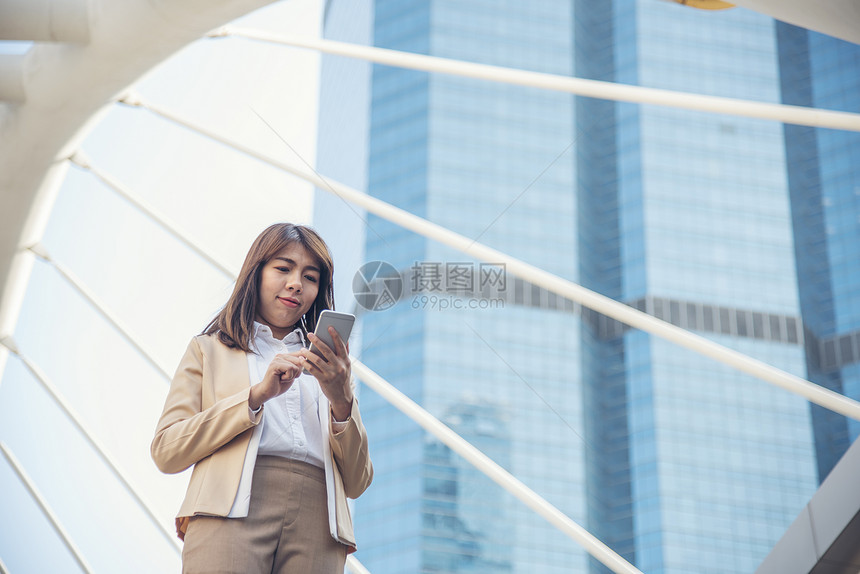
(286, 530)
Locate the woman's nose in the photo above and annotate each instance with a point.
(294, 283)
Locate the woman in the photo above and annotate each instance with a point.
(275, 452)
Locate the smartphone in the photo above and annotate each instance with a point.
(342, 323)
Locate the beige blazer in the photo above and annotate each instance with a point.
(206, 422)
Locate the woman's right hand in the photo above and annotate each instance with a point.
(279, 377)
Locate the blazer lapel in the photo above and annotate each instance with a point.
(231, 366)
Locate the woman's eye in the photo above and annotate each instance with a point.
(311, 278)
(283, 269)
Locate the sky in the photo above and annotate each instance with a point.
(158, 288)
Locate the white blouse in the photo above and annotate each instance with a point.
(291, 425)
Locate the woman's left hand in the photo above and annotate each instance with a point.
(332, 370)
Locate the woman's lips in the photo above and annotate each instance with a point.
(291, 303)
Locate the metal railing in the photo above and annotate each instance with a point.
(45, 508)
(558, 285)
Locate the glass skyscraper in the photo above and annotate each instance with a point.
(824, 187)
(745, 231)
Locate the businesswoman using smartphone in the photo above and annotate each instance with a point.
(276, 452)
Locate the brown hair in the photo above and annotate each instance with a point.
(234, 323)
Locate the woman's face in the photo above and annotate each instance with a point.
(289, 284)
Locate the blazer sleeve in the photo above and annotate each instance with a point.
(187, 432)
(352, 455)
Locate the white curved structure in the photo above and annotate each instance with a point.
(86, 53)
(58, 91)
(837, 18)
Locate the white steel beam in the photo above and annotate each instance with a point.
(4, 356)
(78, 422)
(591, 88)
(82, 160)
(619, 311)
(126, 40)
(46, 509)
(838, 18)
(496, 473)
(45, 20)
(12, 78)
(40, 252)
(20, 259)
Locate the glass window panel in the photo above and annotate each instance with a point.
(791, 328)
(828, 359)
(658, 308)
(775, 328)
(846, 352)
(692, 316)
(725, 323)
(758, 325)
(741, 318)
(708, 317)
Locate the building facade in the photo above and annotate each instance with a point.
(744, 231)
